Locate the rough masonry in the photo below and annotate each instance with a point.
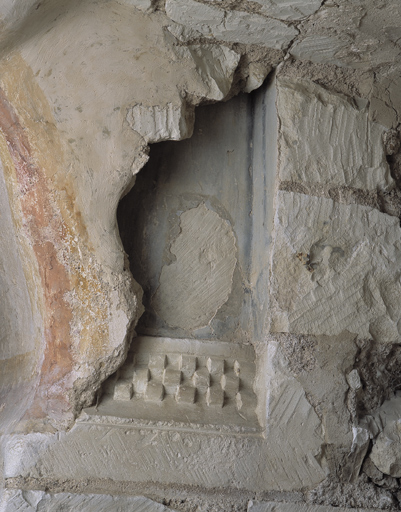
(200, 255)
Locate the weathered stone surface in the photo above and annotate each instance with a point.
(210, 455)
(255, 506)
(289, 10)
(385, 102)
(331, 265)
(199, 281)
(209, 168)
(295, 432)
(142, 5)
(69, 127)
(107, 448)
(161, 123)
(366, 38)
(85, 87)
(40, 501)
(213, 73)
(215, 67)
(343, 147)
(20, 313)
(319, 364)
(386, 451)
(231, 26)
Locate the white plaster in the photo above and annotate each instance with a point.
(199, 281)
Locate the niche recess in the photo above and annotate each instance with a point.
(196, 227)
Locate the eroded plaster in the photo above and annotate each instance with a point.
(302, 274)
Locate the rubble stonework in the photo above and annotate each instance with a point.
(209, 324)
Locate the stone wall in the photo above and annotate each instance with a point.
(222, 330)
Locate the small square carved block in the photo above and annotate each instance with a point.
(186, 395)
(215, 365)
(140, 380)
(201, 379)
(123, 390)
(230, 383)
(171, 380)
(187, 365)
(215, 396)
(157, 364)
(154, 392)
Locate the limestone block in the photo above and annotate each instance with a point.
(157, 123)
(386, 452)
(364, 41)
(97, 451)
(123, 390)
(387, 413)
(182, 33)
(385, 105)
(320, 365)
(126, 371)
(215, 66)
(289, 10)
(330, 263)
(342, 147)
(320, 48)
(199, 281)
(36, 501)
(231, 26)
(295, 434)
(354, 380)
(257, 72)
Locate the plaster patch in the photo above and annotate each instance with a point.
(199, 282)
